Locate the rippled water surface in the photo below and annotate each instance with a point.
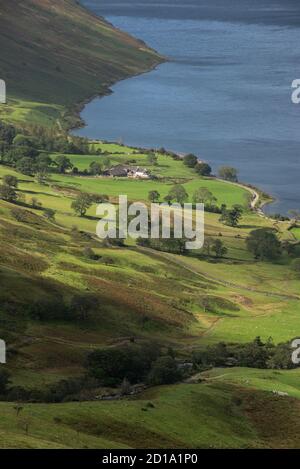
(225, 94)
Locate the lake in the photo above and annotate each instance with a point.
(225, 93)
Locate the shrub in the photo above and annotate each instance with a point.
(263, 244)
(111, 366)
(164, 371)
(296, 265)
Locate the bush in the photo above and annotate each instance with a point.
(190, 160)
(49, 309)
(4, 382)
(254, 354)
(90, 254)
(263, 244)
(164, 371)
(111, 366)
(295, 265)
(203, 169)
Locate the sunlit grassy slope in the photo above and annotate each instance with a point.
(148, 295)
(214, 414)
(142, 293)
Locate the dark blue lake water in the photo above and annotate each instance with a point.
(225, 94)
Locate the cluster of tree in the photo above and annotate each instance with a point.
(136, 363)
(79, 308)
(201, 168)
(84, 201)
(29, 154)
(232, 216)
(147, 363)
(264, 244)
(178, 194)
(24, 155)
(71, 389)
(256, 354)
(9, 193)
(96, 168)
(228, 173)
(214, 247)
(279, 217)
(8, 189)
(114, 367)
(172, 245)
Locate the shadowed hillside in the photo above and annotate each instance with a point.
(57, 52)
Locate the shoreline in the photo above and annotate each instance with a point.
(75, 111)
(257, 204)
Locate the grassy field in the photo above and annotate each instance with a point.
(283, 381)
(296, 233)
(264, 296)
(232, 411)
(148, 295)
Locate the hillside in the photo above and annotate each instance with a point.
(56, 54)
(68, 299)
(134, 286)
(58, 304)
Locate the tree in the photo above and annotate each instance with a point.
(99, 198)
(49, 213)
(152, 159)
(10, 181)
(19, 214)
(289, 247)
(4, 382)
(90, 254)
(106, 163)
(164, 371)
(154, 196)
(111, 365)
(35, 203)
(82, 305)
(203, 196)
(43, 162)
(42, 177)
(296, 265)
(232, 216)
(203, 169)
(254, 355)
(26, 166)
(95, 168)
(218, 248)
(126, 388)
(178, 194)
(208, 244)
(8, 193)
(228, 173)
(63, 163)
(190, 160)
(263, 244)
(81, 204)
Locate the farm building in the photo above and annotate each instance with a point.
(128, 171)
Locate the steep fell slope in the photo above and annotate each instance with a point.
(58, 53)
